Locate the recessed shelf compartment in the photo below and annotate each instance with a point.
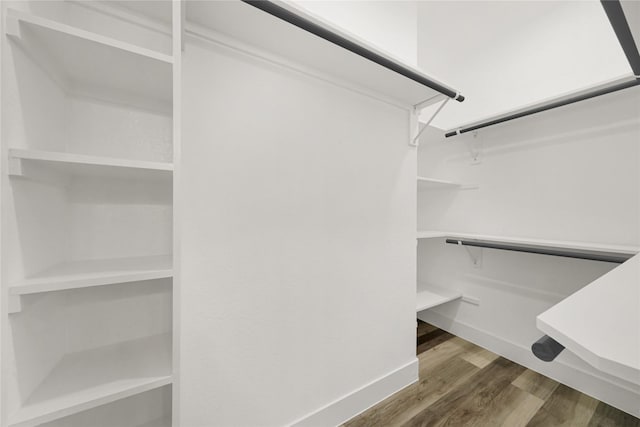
(431, 296)
(82, 274)
(555, 244)
(425, 183)
(125, 412)
(95, 377)
(23, 161)
(121, 223)
(85, 63)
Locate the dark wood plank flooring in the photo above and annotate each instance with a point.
(462, 384)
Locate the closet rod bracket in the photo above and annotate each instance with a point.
(475, 146)
(416, 130)
(476, 258)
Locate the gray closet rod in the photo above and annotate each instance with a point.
(618, 21)
(615, 257)
(313, 28)
(546, 348)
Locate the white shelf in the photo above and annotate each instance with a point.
(83, 274)
(88, 379)
(24, 162)
(90, 64)
(432, 184)
(560, 244)
(431, 296)
(262, 34)
(601, 322)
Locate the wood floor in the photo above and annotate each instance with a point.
(462, 384)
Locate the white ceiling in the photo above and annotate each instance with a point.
(503, 55)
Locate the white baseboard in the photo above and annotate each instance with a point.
(565, 369)
(358, 401)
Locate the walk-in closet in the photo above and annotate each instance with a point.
(317, 213)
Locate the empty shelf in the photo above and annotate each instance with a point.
(82, 274)
(266, 32)
(25, 162)
(432, 296)
(91, 378)
(433, 184)
(90, 64)
(427, 183)
(555, 244)
(601, 322)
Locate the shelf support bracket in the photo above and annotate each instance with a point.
(416, 131)
(476, 258)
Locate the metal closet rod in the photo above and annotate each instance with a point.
(545, 107)
(615, 257)
(618, 21)
(313, 28)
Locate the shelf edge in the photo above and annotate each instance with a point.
(51, 285)
(14, 17)
(83, 159)
(32, 421)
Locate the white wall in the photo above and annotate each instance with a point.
(503, 55)
(572, 174)
(391, 26)
(298, 242)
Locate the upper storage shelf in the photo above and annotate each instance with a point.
(583, 250)
(297, 36)
(21, 160)
(85, 63)
(601, 322)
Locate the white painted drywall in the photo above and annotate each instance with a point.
(391, 26)
(503, 55)
(569, 174)
(297, 241)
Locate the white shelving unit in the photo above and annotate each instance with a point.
(432, 296)
(87, 253)
(309, 50)
(601, 322)
(95, 377)
(83, 274)
(429, 296)
(22, 161)
(559, 244)
(87, 63)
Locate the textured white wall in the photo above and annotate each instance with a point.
(298, 242)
